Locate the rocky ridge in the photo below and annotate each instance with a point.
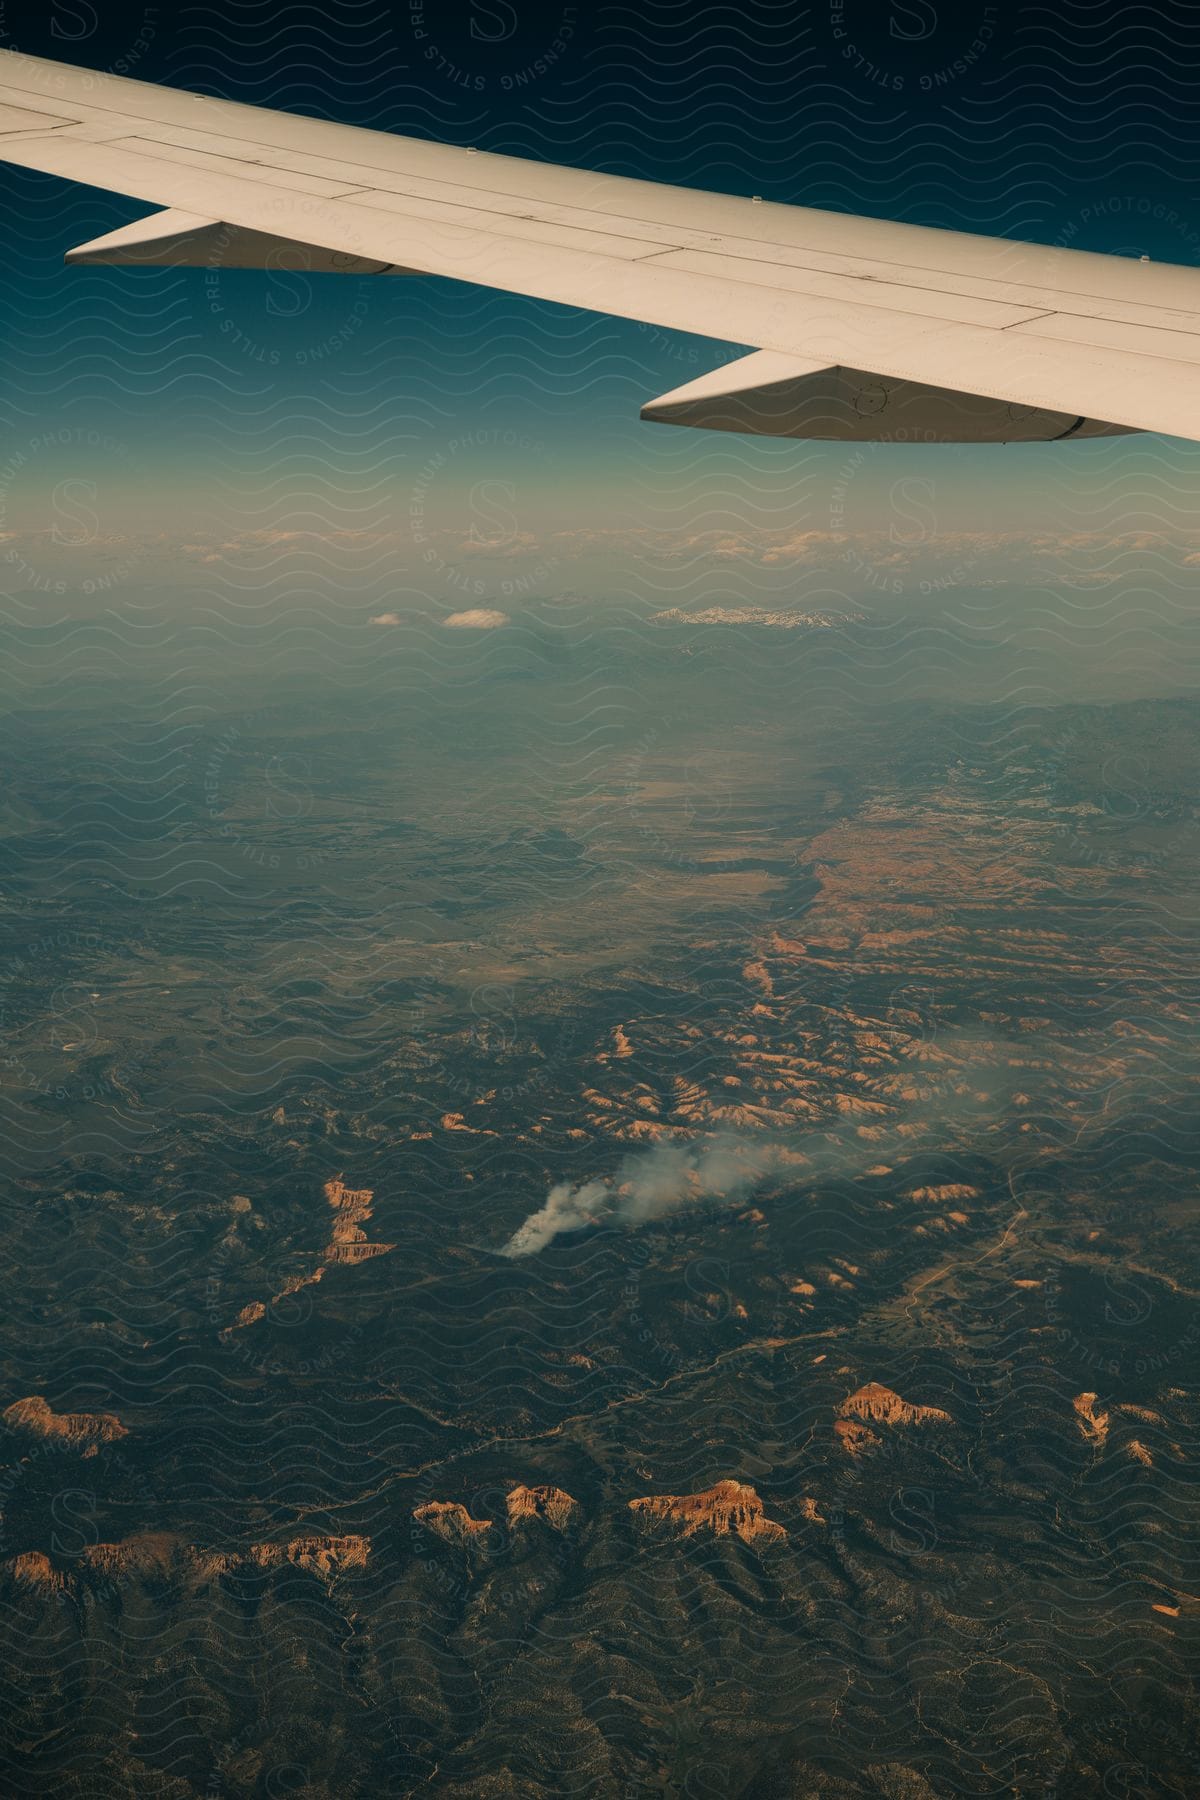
(74, 1431)
(874, 1404)
(348, 1244)
(727, 1508)
(549, 1504)
(162, 1554)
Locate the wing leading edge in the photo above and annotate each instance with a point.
(862, 328)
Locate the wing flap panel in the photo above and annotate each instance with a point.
(926, 303)
(1116, 334)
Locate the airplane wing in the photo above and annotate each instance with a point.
(861, 329)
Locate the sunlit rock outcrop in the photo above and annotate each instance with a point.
(728, 1508)
(352, 1208)
(548, 1503)
(33, 1569)
(348, 1245)
(1091, 1419)
(159, 1555)
(875, 1404)
(451, 1521)
(74, 1431)
(326, 1556)
(150, 1553)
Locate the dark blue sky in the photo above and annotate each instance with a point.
(1014, 119)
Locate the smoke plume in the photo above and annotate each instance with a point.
(959, 1100)
(649, 1186)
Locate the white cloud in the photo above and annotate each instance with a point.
(480, 618)
(386, 619)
